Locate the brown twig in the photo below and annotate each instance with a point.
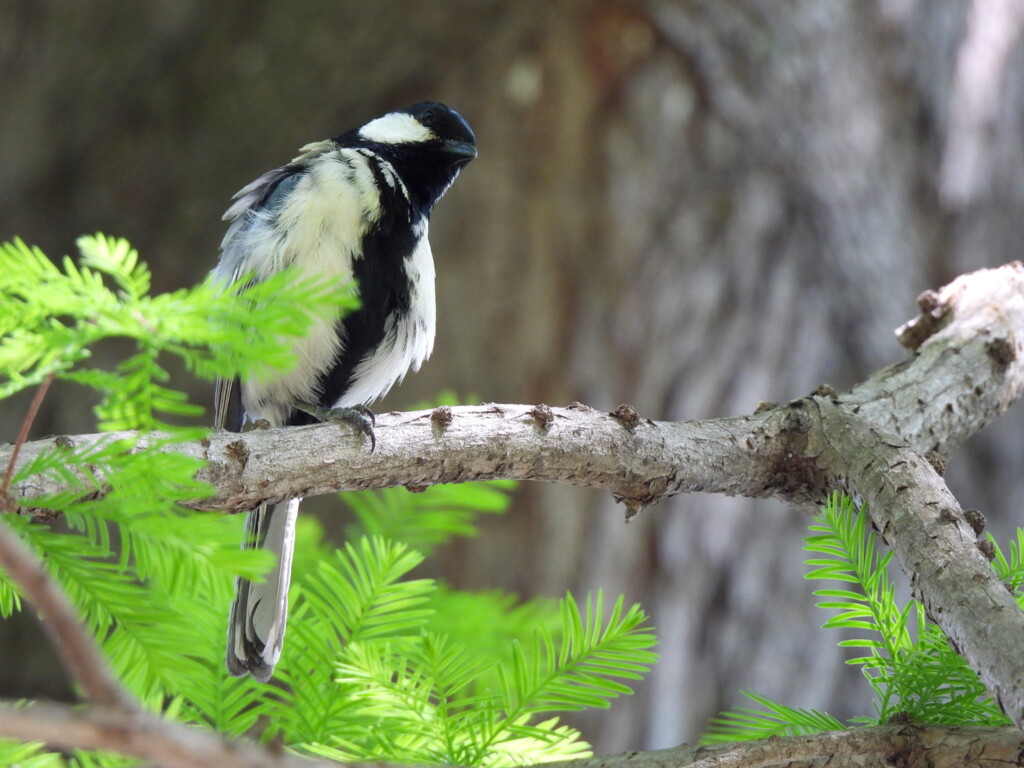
(78, 652)
(26, 425)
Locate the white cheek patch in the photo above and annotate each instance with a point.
(396, 128)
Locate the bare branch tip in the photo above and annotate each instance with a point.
(936, 312)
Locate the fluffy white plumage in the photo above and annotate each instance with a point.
(354, 208)
(319, 229)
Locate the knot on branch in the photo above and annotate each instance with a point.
(237, 452)
(793, 469)
(1001, 352)
(976, 520)
(626, 415)
(796, 476)
(987, 548)
(656, 490)
(935, 315)
(441, 417)
(542, 416)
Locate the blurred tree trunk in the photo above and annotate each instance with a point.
(690, 206)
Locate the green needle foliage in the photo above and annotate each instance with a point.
(905, 658)
(445, 511)
(50, 318)
(379, 664)
(133, 555)
(388, 687)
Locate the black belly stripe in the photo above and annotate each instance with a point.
(385, 292)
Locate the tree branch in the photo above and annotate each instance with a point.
(968, 367)
(72, 640)
(174, 745)
(934, 542)
(879, 747)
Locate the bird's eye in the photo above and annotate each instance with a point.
(431, 116)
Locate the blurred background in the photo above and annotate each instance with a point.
(687, 205)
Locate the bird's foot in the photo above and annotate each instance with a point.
(359, 417)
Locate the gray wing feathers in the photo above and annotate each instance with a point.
(227, 405)
(254, 195)
(227, 394)
(260, 610)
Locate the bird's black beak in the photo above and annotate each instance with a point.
(461, 149)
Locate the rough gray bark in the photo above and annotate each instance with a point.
(175, 746)
(967, 369)
(671, 198)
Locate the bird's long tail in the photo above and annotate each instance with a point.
(260, 611)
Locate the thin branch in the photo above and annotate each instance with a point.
(72, 640)
(26, 425)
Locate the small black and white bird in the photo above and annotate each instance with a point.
(354, 208)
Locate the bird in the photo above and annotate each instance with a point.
(355, 208)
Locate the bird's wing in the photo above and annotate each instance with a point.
(227, 405)
(227, 393)
(264, 196)
(256, 205)
(266, 192)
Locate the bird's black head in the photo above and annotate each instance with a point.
(427, 143)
